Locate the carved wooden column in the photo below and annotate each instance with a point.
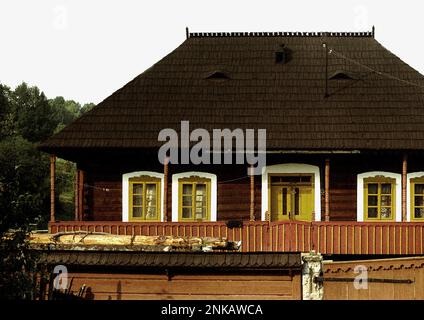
(52, 186)
(79, 195)
(165, 189)
(404, 181)
(327, 190)
(76, 196)
(252, 194)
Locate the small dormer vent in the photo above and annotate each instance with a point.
(217, 75)
(342, 75)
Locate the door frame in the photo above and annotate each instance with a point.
(290, 168)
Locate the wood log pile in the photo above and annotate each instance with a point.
(98, 240)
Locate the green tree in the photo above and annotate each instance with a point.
(62, 114)
(34, 117)
(87, 107)
(23, 202)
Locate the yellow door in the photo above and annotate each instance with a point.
(294, 201)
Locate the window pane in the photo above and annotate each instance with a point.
(151, 213)
(186, 213)
(386, 200)
(372, 212)
(296, 201)
(419, 213)
(372, 188)
(137, 188)
(386, 213)
(187, 201)
(137, 212)
(187, 188)
(419, 188)
(201, 194)
(200, 213)
(150, 195)
(372, 200)
(386, 188)
(284, 201)
(419, 201)
(137, 200)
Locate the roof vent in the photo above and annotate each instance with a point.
(217, 76)
(282, 54)
(342, 75)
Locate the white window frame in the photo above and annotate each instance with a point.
(300, 168)
(175, 192)
(409, 176)
(125, 191)
(360, 192)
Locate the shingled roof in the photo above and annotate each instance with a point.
(268, 260)
(232, 80)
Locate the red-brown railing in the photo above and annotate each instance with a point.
(323, 237)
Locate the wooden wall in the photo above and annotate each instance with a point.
(103, 195)
(397, 269)
(126, 286)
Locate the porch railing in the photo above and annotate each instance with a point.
(400, 238)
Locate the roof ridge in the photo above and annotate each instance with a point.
(280, 34)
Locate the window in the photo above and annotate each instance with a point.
(144, 199)
(379, 199)
(194, 199)
(417, 199)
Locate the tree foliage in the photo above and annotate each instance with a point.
(26, 118)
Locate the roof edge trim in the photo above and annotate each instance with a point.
(368, 34)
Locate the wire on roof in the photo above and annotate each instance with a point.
(334, 52)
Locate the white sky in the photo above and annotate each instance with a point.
(87, 49)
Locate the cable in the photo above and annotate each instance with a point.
(86, 185)
(332, 51)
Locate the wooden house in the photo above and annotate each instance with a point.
(344, 167)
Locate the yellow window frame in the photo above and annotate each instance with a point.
(380, 181)
(145, 180)
(419, 180)
(193, 181)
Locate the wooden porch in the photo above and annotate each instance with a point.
(353, 238)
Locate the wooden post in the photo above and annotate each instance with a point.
(80, 195)
(327, 190)
(252, 195)
(52, 186)
(404, 173)
(165, 189)
(76, 196)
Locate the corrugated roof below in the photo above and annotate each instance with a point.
(173, 260)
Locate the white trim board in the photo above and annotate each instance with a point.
(410, 176)
(125, 191)
(175, 193)
(292, 168)
(360, 192)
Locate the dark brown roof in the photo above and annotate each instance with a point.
(250, 90)
(170, 260)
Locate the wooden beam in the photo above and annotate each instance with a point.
(76, 196)
(165, 189)
(327, 190)
(52, 186)
(80, 195)
(252, 195)
(404, 181)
